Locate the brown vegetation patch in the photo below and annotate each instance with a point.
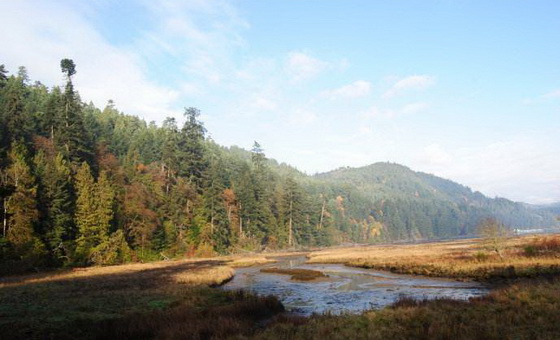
(296, 273)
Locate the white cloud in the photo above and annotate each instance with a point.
(416, 82)
(434, 154)
(302, 66)
(359, 88)
(522, 169)
(42, 34)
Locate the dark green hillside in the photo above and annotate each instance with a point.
(415, 205)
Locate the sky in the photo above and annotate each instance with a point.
(465, 90)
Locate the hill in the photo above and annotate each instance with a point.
(553, 208)
(414, 205)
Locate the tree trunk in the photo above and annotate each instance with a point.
(290, 234)
(5, 222)
(322, 214)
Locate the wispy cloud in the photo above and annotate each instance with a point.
(416, 82)
(493, 167)
(359, 88)
(200, 38)
(302, 66)
(434, 154)
(52, 32)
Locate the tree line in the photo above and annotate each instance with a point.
(81, 186)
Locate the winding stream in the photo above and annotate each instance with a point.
(346, 289)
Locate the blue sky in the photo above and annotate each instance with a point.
(467, 90)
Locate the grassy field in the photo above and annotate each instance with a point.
(174, 299)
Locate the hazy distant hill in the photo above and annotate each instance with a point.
(553, 208)
(418, 205)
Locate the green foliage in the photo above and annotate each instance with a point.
(94, 212)
(21, 211)
(113, 250)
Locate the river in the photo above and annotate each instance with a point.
(346, 289)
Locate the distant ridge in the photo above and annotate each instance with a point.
(418, 205)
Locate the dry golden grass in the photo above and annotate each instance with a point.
(247, 261)
(213, 276)
(91, 272)
(465, 259)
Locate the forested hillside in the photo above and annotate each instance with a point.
(81, 185)
(413, 205)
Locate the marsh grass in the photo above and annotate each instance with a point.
(247, 261)
(172, 299)
(464, 259)
(75, 304)
(211, 276)
(235, 314)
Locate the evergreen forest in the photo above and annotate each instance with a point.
(82, 185)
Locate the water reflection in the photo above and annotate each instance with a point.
(347, 289)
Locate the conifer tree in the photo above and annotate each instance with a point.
(72, 136)
(94, 211)
(191, 153)
(21, 205)
(56, 203)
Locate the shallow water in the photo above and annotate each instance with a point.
(347, 289)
